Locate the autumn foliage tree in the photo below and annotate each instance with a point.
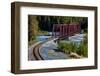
(32, 27)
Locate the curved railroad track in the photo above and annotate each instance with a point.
(36, 52)
(36, 49)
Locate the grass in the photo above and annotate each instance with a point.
(81, 49)
(43, 33)
(32, 40)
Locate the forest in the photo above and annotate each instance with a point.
(38, 25)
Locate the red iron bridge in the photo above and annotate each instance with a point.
(68, 30)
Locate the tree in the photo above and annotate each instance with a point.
(33, 27)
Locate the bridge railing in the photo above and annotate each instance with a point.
(65, 29)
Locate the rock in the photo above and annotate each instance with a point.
(74, 55)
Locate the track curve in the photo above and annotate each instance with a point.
(36, 50)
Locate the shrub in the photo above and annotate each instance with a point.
(81, 49)
(67, 47)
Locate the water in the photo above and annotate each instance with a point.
(42, 38)
(75, 39)
(48, 52)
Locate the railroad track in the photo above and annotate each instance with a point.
(36, 50)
